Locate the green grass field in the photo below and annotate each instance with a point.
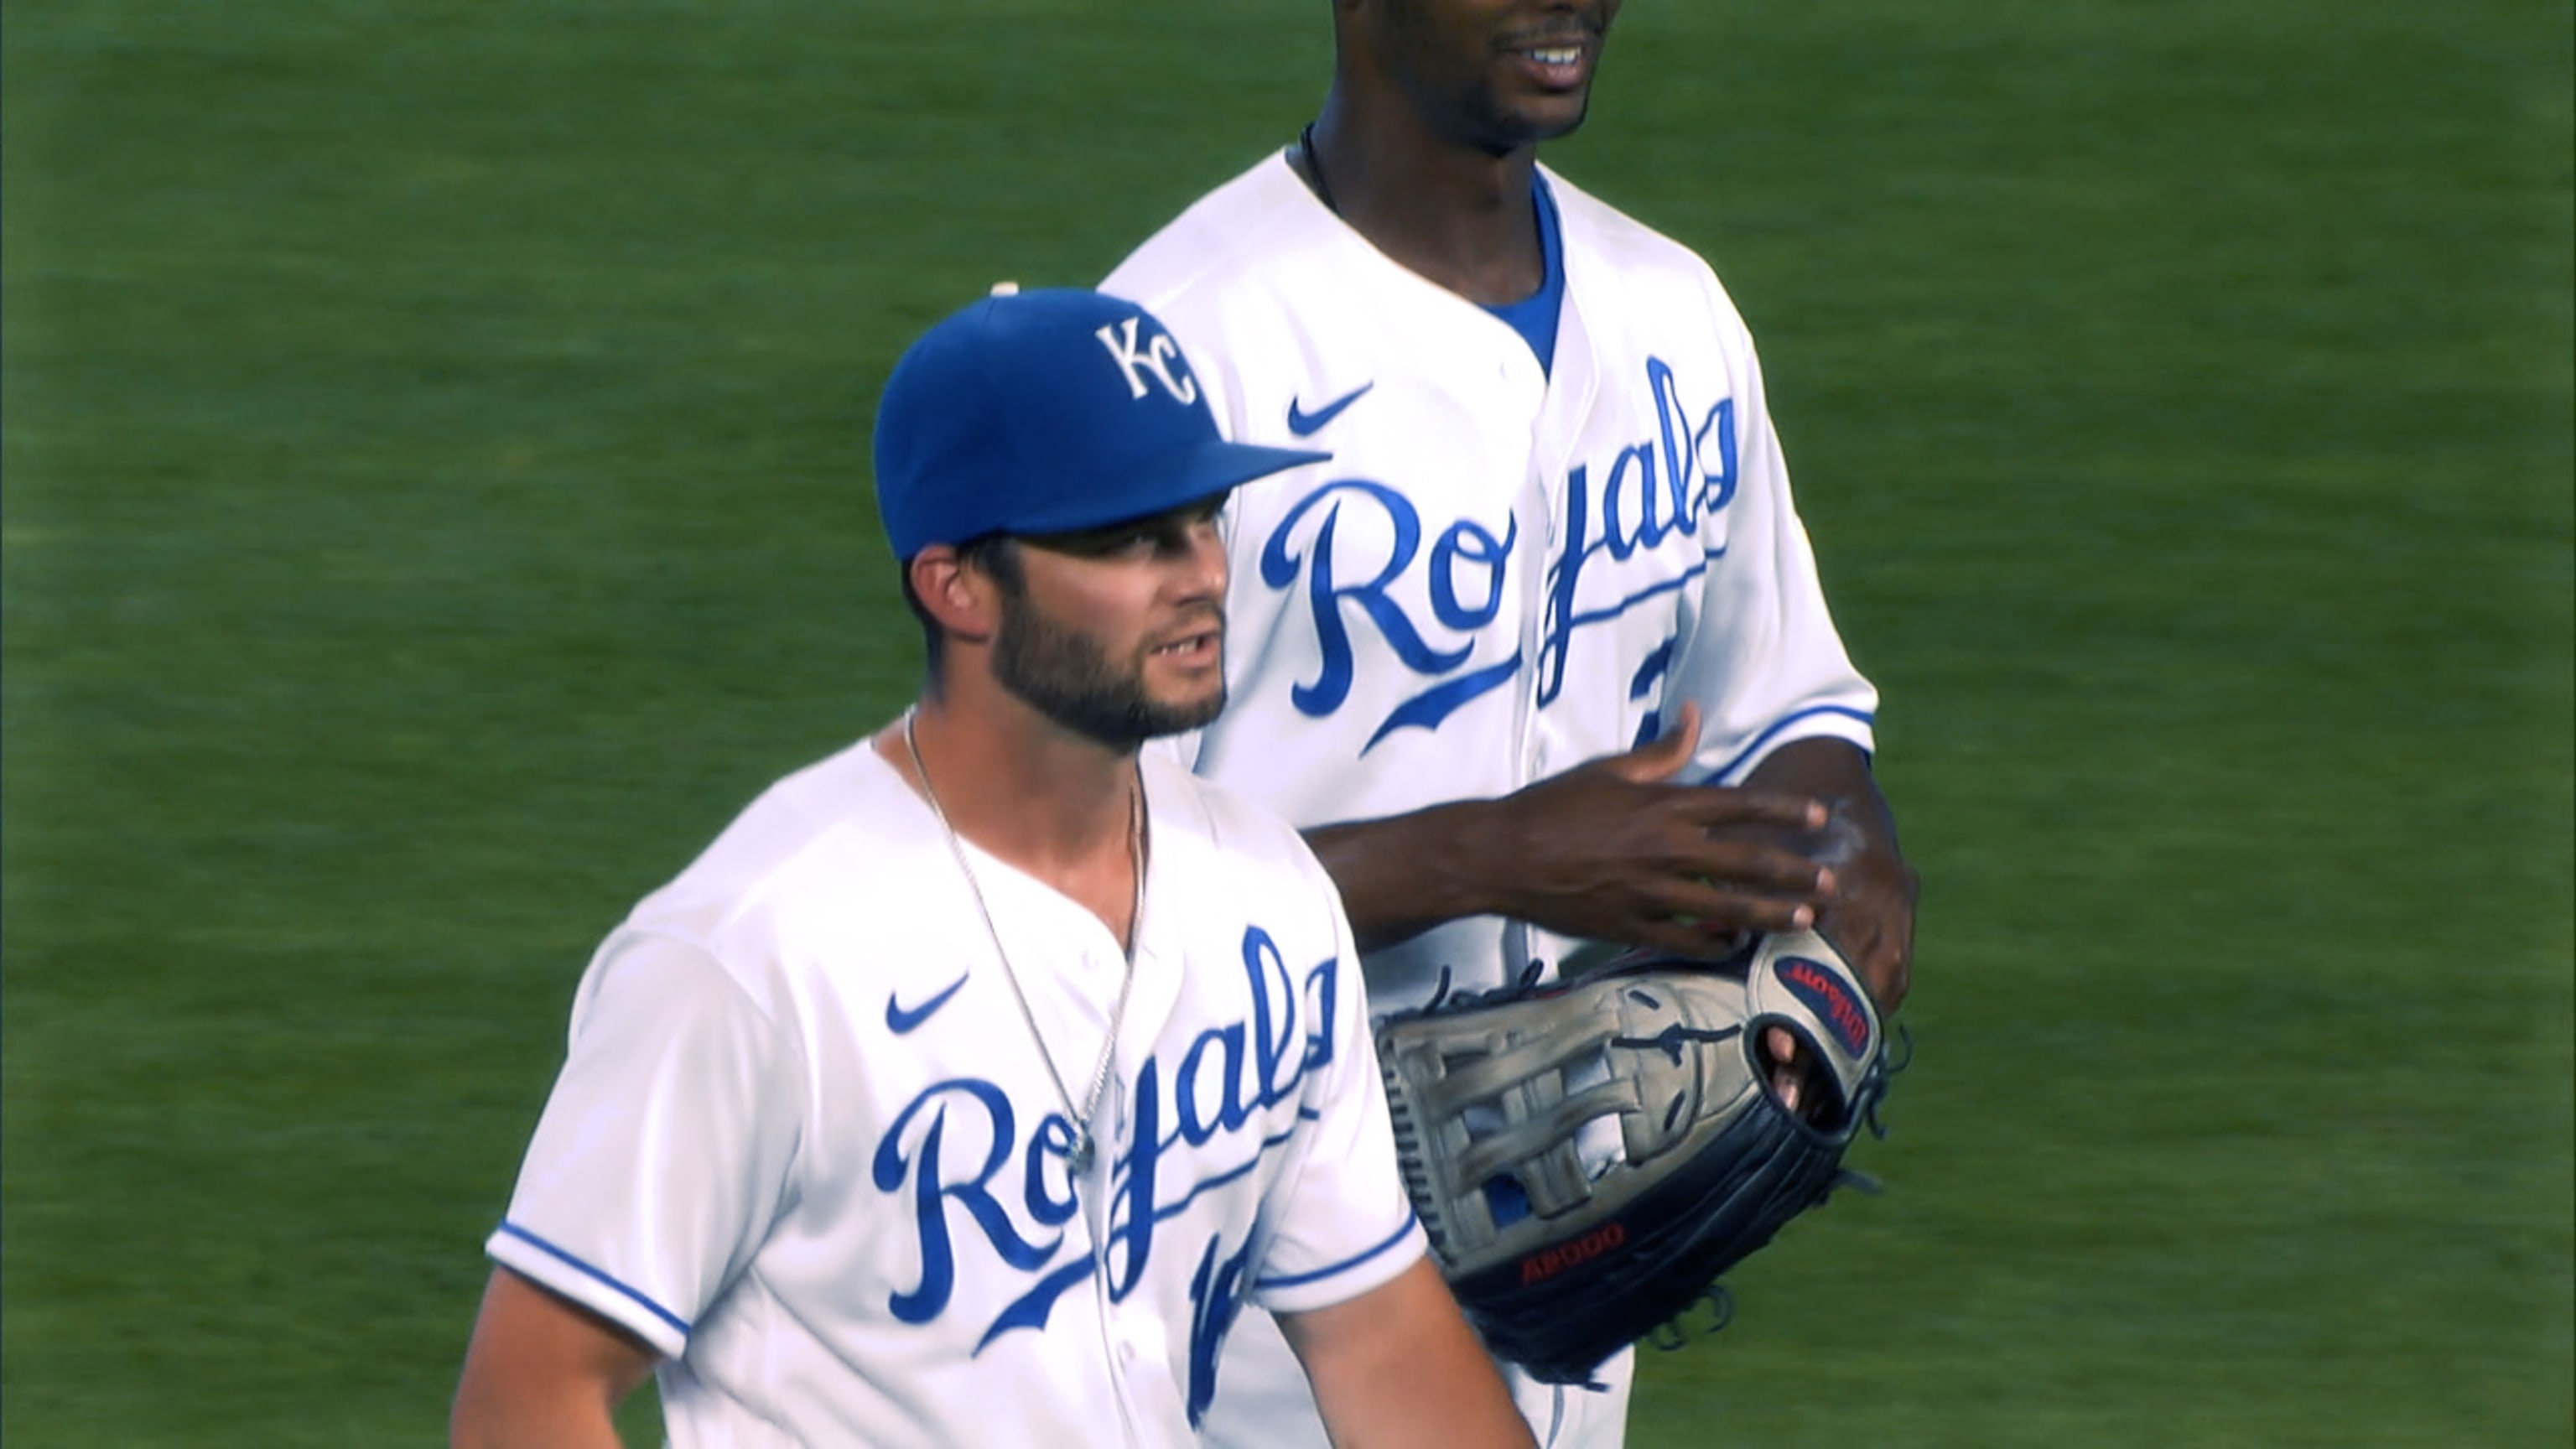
(436, 497)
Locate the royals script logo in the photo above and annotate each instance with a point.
(1629, 530)
(1197, 1125)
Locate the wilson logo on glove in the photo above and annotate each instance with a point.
(1825, 993)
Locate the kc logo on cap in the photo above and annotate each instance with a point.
(1159, 356)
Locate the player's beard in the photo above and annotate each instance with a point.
(1064, 674)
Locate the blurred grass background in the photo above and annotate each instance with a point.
(436, 498)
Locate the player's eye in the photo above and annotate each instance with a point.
(1095, 542)
(1171, 532)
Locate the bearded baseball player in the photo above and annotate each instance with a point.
(1539, 660)
(973, 1081)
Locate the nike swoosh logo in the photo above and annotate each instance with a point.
(900, 1021)
(1305, 424)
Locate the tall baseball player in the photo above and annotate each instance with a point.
(975, 1078)
(1540, 658)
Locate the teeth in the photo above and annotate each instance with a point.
(1567, 56)
(1192, 642)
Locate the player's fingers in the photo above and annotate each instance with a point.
(1780, 1050)
(1703, 921)
(1663, 757)
(1795, 1076)
(1642, 923)
(1741, 905)
(1718, 808)
(1689, 940)
(1739, 863)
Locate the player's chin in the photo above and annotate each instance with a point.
(1187, 703)
(1546, 113)
(1202, 709)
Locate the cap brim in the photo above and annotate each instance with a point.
(1172, 481)
(1230, 465)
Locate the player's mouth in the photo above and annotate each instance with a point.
(1199, 649)
(1556, 67)
(1560, 59)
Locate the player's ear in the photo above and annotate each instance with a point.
(963, 601)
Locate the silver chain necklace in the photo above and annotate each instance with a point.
(1078, 1160)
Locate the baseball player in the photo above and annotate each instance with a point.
(1550, 587)
(973, 1081)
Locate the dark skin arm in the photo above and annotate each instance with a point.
(1614, 850)
(1869, 912)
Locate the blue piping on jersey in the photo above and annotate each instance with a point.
(1719, 774)
(550, 1250)
(1344, 1266)
(1642, 595)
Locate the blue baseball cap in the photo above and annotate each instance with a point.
(1046, 412)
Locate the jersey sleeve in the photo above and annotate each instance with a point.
(1765, 663)
(664, 1151)
(1339, 1221)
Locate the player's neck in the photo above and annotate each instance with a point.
(1457, 215)
(1055, 804)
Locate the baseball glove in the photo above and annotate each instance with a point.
(1564, 1244)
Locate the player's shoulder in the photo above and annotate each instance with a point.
(785, 856)
(1242, 237)
(805, 831)
(1595, 226)
(1606, 247)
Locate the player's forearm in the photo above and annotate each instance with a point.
(1398, 1366)
(502, 1405)
(1404, 874)
(1836, 772)
(532, 1425)
(541, 1371)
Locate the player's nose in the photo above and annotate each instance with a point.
(1202, 563)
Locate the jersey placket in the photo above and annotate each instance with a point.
(1553, 437)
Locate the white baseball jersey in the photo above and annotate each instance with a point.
(1502, 572)
(804, 1145)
